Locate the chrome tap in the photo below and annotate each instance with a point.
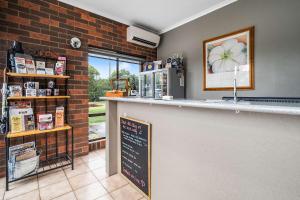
(235, 99)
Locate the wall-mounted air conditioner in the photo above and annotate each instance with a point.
(142, 37)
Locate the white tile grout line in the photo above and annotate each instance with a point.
(39, 187)
(22, 193)
(84, 163)
(109, 193)
(70, 185)
(3, 194)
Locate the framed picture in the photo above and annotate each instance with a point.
(228, 57)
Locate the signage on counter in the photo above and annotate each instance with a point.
(136, 153)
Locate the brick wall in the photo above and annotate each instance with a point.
(48, 25)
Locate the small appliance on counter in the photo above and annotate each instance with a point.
(162, 82)
(146, 84)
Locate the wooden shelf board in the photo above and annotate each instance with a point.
(36, 75)
(36, 132)
(40, 97)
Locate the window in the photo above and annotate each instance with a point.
(102, 68)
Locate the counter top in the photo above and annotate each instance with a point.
(263, 107)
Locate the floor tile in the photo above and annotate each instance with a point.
(113, 182)
(78, 161)
(2, 190)
(91, 157)
(2, 182)
(21, 187)
(90, 192)
(82, 180)
(33, 195)
(100, 153)
(55, 190)
(126, 193)
(50, 178)
(96, 164)
(68, 196)
(79, 169)
(100, 173)
(106, 197)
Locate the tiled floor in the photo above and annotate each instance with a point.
(88, 181)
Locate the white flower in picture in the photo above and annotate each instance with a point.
(225, 57)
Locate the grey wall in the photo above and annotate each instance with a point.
(277, 45)
(216, 154)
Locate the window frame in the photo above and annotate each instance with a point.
(114, 56)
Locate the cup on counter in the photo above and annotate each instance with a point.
(48, 92)
(51, 84)
(41, 92)
(30, 92)
(31, 85)
(56, 92)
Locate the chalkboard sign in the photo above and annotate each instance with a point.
(136, 153)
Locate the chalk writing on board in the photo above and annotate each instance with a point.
(135, 151)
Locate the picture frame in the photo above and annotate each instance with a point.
(228, 57)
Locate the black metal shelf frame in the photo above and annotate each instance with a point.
(50, 163)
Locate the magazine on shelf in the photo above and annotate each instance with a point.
(17, 149)
(15, 91)
(40, 64)
(29, 63)
(21, 119)
(16, 123)
(20, 65)
(49, 71)
(40, 67)
(23, 160)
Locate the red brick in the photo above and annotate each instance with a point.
(19, 20)
(39, 36)
(29, 5)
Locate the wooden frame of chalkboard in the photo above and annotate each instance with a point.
(125, 170)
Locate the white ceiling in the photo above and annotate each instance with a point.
(157, 15)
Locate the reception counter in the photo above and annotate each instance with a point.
(214, 149)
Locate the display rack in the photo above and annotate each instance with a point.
(51, 162)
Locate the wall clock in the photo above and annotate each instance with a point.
(75, 43)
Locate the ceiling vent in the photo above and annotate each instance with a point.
(142, 37)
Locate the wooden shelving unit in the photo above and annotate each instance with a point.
(36, 132)
(40, 97)
(36, 76)
(58, 159)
